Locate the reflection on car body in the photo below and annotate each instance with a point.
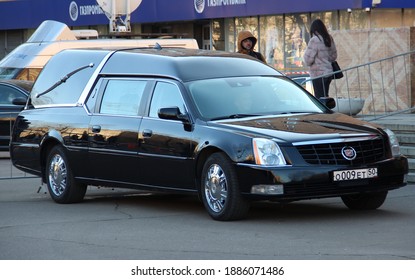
(170, 120)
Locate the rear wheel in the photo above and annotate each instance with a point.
(220, 190)
(365, 201)
(61, 184)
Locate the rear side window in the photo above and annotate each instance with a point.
(122, 97)
(56, 86)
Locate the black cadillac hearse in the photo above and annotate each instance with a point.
(220, 125)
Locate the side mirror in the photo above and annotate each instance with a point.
(329, 102)
(19, 101)
(172, 113)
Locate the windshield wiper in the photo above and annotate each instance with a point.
(297, 112)
(63, 80)
(235, 116)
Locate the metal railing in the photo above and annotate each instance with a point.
(7, 170)
(383, 87)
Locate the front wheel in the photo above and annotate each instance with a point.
(220, 189)
(59, 178)
(365, 201)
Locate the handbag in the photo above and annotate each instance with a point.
(336, 68)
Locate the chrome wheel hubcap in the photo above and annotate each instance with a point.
(216, 188)
(57, 175)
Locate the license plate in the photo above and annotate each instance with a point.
(355, 174)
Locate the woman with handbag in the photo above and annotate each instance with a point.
(320, 53)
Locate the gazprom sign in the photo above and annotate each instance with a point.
(88, 12)
(83, 10)
(213, 3)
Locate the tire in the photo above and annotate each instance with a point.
(219, 190)
(59, 178)
(365, 201)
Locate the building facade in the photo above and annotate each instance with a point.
(364, 30)
(282, 27)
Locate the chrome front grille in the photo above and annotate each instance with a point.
(368, 151)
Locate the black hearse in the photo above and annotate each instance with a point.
(220, 125)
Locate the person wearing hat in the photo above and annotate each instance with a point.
(246, 44)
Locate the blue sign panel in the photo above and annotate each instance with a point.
(163, 10)
(388, 4)
(23, 14)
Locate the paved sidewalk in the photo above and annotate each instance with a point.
(395, 122)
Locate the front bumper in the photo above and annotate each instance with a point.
(316, 181)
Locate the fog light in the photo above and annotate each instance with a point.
(267, 189)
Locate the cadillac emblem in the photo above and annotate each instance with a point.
(349, 153)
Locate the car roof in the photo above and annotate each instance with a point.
(22, 84)
(169, 63)
(185, 64)
(179, 63)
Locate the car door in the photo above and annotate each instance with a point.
(113, 131)
(166, 146)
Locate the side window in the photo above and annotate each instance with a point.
(122, 97)
(8, 94)
(165, 95)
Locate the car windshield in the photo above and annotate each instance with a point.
(236, 97)
(9, 73)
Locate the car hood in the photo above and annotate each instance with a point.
(301, 127)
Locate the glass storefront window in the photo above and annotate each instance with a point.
(330, 19)
(272, 40)
(218, 35)
(296, 32)
(230, 35)
(282, 39)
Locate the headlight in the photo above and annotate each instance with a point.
(267, 152)
(394, 143)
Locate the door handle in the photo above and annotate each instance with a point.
(147, 133)
(96, 128)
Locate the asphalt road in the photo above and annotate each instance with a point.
(128, 225)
